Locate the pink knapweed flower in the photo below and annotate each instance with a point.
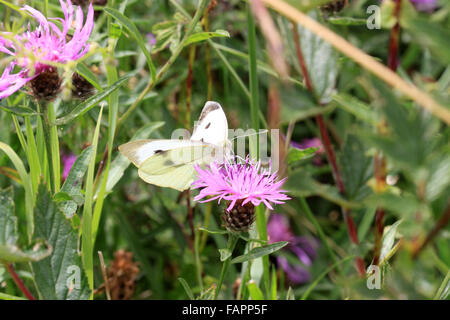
(236, 182)
(34, 50)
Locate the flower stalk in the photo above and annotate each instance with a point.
(232, 241)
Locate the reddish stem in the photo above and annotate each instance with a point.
(19, 282)
(440, 224)
(353, 235)
(393, 39)
(380, 162)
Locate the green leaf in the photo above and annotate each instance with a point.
(295, 154)
(431, 35)
(356, 107)
(84, 71)
(290, 294)
(224, 254)
(259, 252)
(388, 240)
(54, 274)
(4, 296)
(347, 21)
(186, 288)
(8, 220)
(321, 62)
(255, 291)
(87, 105)
(357, 168)
(202, 36)
(20, 111)
(301, 183)
(74, 181)
(134, 32)
(9, 250)
(62, 196)
(215, 231)
(26, 181)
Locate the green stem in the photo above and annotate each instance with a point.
(232, 240)
(48, 145)
(201, 7)
(198, 263)
(320, 232)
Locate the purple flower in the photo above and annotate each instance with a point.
(67, 159)
(425, 5)
(33, 51)
(303, 247)
(309, 143)
(151, 39)
(244, 182)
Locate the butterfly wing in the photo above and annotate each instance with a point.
(140, 150)
(212, 126)
(174, 168)
(170, 163)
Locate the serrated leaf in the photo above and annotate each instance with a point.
(59, 276)
(321, 62)
(356, 107)
(134, 32)
(87, 105)
(202, 36)
(73, 183)
(259, 252)
(356, 168)
(9, 250)
(8, 220)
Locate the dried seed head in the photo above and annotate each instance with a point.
(122, 275)
(46, 85)
(81, 88)
(240, 218)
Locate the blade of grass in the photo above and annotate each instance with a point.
(200, 9)
(26, 181)
(322, 275)
(86, 226)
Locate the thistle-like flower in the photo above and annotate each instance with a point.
(34, 52)
(243, 186)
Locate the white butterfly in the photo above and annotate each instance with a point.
(170, 163)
